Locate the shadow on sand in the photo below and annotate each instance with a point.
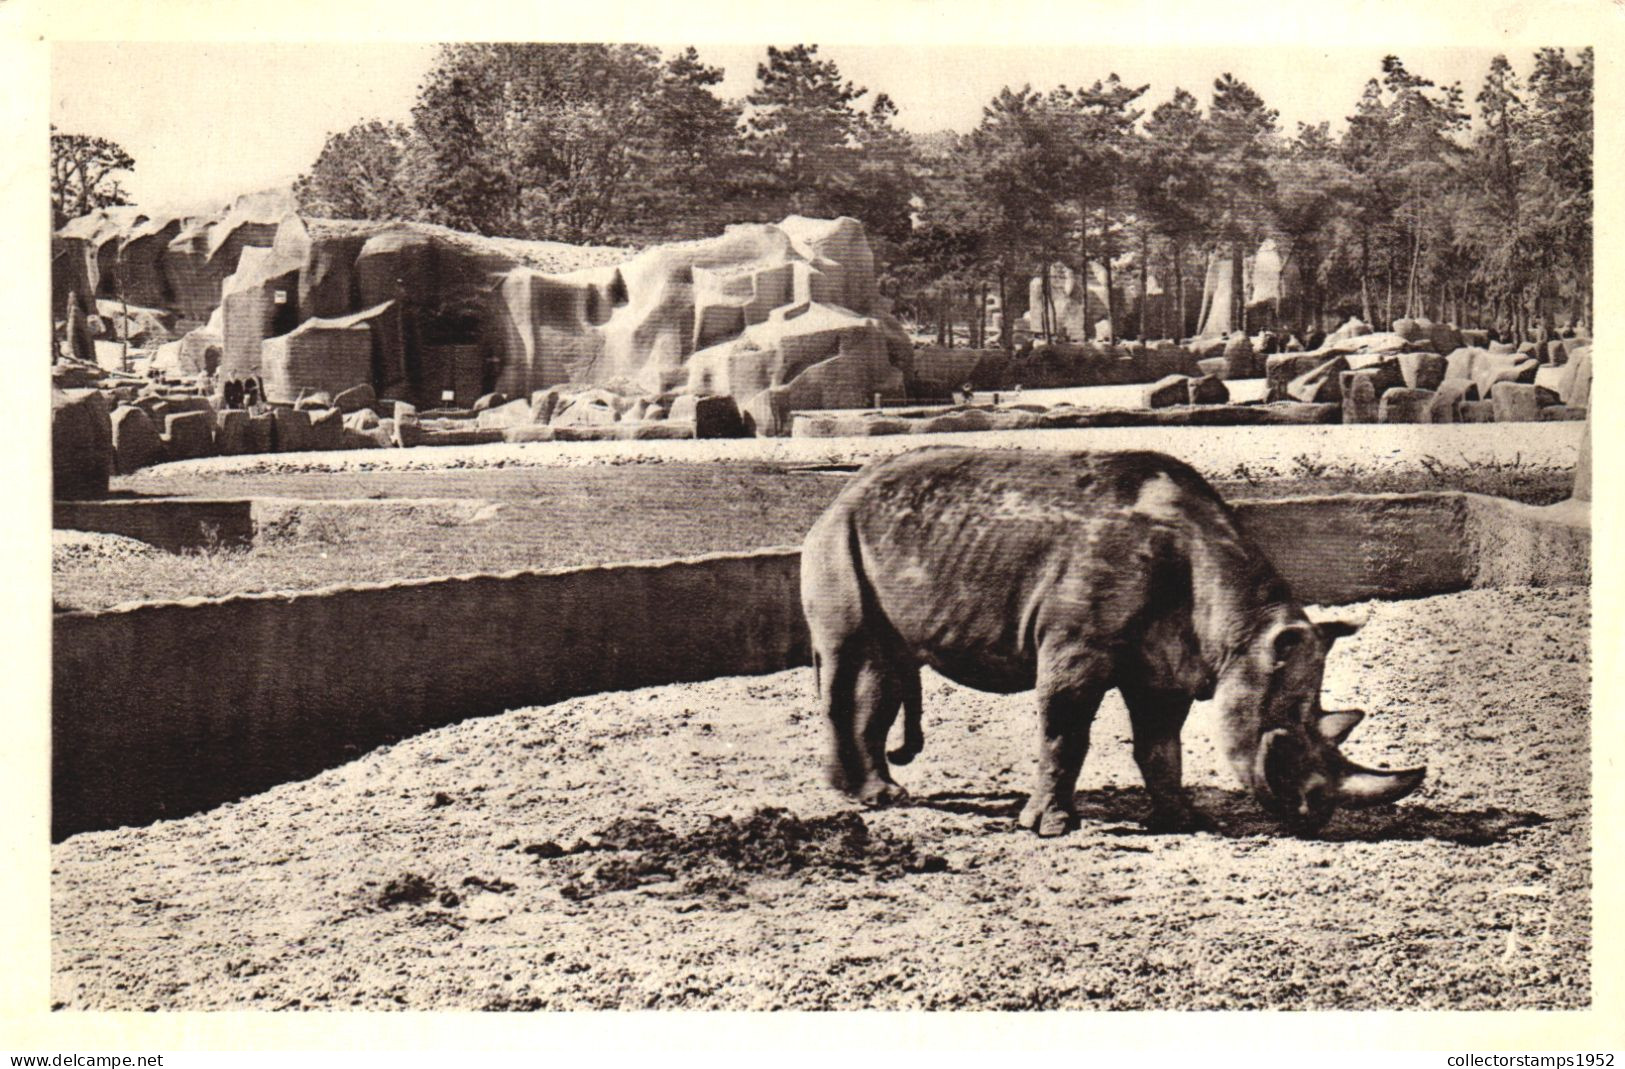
(1123, 810)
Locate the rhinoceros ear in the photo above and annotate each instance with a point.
(1335, 727)
(1332, 630)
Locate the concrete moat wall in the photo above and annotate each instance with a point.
(163, 710)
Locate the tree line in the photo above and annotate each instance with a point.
(1410, 209)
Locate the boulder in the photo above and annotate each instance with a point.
(1477, 338)
(260, 435)
(1359, 390)
(1501, 348)
(1404, 405)
(1421, 371)
(407, 428)
(713, 417)
(585, 411)
(1213, 365)
(508, 414)
(1353, 327)
(1239, 360)
(1281, 368)
(1546, 398)
(1167, 392)
(188, 435)
(1319, 385)
(1383, 364)
(136, 443)
(327, 429)
(1207, 390)
(1446, 338)
(543, 404)
(1477, 411)
(490, 400)
(1508, 367)
(314, 402)
(1447, 400)
(231, 432)
(1515, 402)
(355, 399)
(767, 415)
(364, 420)
(293, 433)
(1575, 385)
(1464, 362)
(1562, 413)
(657, 411)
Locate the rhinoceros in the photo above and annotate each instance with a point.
(1072, 574)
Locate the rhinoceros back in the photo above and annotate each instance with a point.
(963, 556)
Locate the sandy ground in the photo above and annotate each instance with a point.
(458, 869)
(1266, 452)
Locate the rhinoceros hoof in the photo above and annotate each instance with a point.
(1047, 820)
(882, 794)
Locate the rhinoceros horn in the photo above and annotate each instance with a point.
(1359, 787)
(1335, 727)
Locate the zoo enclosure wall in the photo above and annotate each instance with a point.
(165, 709)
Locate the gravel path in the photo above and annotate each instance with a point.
(1266, 452)
(440, 873)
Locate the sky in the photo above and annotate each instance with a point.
(208, 121)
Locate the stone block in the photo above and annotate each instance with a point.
(231, 432)
(518, 413)
(293, 433)
(1281, 368)
(1167, 392)
(188, 435)
(543, 404)
(490, 400)
(314, 401)
(1446, 404)
(1213, 365)
(136, 442)
(1404, 405)
(327, 429)
(355, 399)
(1421, 371)
(716, 416)
(260, 434)
(767, 415)
(1477, 411)
(1320, 385)
(1515, 402)
(1207, 390)
(1562, 413)
(1359, 391)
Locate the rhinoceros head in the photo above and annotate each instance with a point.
(1282, 744)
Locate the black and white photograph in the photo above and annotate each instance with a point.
(617, 521)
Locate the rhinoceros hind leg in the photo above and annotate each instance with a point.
(861, 688)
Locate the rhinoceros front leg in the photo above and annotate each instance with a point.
(1157, 717)
(1070, 687)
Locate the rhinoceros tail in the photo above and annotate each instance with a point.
(913, 733)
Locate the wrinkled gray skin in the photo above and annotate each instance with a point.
(1070, 575)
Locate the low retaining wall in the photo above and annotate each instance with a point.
(165, 709)
(172, 524)
(162, 710)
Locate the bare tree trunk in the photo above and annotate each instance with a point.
(1145, 275)
(1179, 284)
(1238, 288)
(1006, 339)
